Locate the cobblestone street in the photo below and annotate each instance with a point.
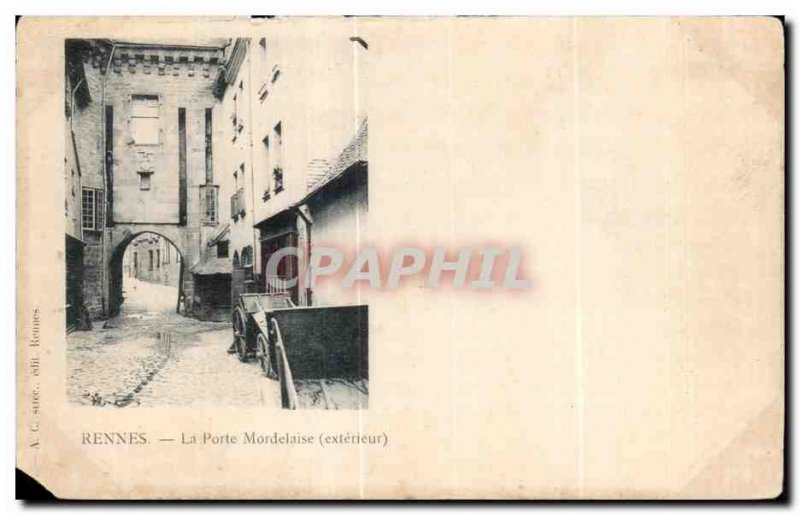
(151, 356)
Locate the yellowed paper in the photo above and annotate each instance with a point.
(634, 164)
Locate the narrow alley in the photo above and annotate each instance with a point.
(186, 172)
(150, 356)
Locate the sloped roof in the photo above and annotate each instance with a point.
(354, 152)
(209, 263)
(317, 170)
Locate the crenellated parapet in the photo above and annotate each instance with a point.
(155, 59)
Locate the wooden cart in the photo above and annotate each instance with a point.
(319, 354)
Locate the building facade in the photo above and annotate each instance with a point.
(227, 150)
(143, 141)
(152, 258)
(293, 106)
(78, 106)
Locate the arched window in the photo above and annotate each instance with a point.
(247, 256)
(236, 259)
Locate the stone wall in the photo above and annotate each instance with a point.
(87, 124)
(340, 217)
(179, 77)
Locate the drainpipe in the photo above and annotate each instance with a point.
(105, 176)
(72, 135)
(307, 223)
(72, 104)
(251, 122)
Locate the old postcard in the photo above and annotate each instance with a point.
(401, 258)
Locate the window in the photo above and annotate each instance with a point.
(144, 120)
(277, 176)
(222, 249)
(211, 205)
(150, 263)
(144, 180)
(209, 201)
(158, 258)
(88, 208)
(235, 118)
(167, 253)
(92, 209)
(136, 261)
(238, 174)
(247, 256)
(266, 195)
(278, 137)
(238, 204)
(235, 259)
(277, 170)
(263, 91)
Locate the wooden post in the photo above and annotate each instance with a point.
(180, 292)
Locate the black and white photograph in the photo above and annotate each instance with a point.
(189, 164)
(555, 269)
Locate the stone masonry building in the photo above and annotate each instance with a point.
(227, 150)
(143, 135)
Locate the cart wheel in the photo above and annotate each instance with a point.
(262, 352)
(240, 335)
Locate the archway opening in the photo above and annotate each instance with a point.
(146, 273)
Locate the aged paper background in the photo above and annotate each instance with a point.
(639, 164)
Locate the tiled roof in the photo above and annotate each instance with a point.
(354, 152)
(317, 169)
